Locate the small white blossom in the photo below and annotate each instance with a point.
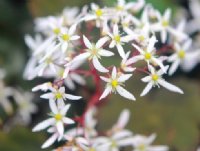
(155, 79)
(59, 95)
(94, 52)
(118, 40)
(58, 119)
(114, 84)
(143, 143)
(148, 54)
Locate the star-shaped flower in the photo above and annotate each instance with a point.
(114, 84)
(155, 79)
(94, 53)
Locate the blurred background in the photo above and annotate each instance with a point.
(175, 118)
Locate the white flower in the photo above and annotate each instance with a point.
(148, 54)
(5, 92)
(59, 95)
(97, 14)
(126, 63)
(67, 36)
(58, 119)
(181, 54)
(143, 143)
(155, 79)
(117, 140)
(163, 26)
(118, 40)
(114, 84)
(94, 53)
(26, 106)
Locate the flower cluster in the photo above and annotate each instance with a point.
(63, 51)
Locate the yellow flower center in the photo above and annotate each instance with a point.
(99, 12)
(65, 37)
(91, 149)
(165, 23)
(58, 95)
(58, 117)
(147, 55)
(119, 8)
(181, 54)
(141, 147)
(48, 60)
(141, 38)
(155, 77)
(56, 31)
(114, 83)
(117, 38)
(114, 144)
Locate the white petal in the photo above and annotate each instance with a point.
(87, 42)
(122, 134)
(114, 73)
(170, 86)
(151, 44)
(72, 29)
(121, 51)
(123, 118)
(124, 77)
(101, 42)
(167, 14)
(106, 92)
(105, 53)
(115, 30)
(64, 47)
(98, 65)
(43, 125)
(72, 97)
(76, 37)
(50, 141)
(174, 67)
(78, 79)
(53, 106)
(146, 79)
(163, 36)
(125, 93)
(65, 109)
(138, 48)
(68, 120)
(158, 148)
(147, 89)
(60, 128)
(105, 79)
(81, 57)
(48, 96)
